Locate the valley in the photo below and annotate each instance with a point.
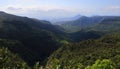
(75, 44)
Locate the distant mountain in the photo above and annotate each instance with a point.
(61, 20)
(87, 22)
(80, 23)
(109, 24)
(40, 38)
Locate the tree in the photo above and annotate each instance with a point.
(102, 64)
(36, 66)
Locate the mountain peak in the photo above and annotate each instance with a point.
(78, 16)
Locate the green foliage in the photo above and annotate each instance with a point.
(64, 42)
(11, 61)
(85, 35)
(55, 64)
(86, 52)
(102, 64)
(36, 66)
(36, 39)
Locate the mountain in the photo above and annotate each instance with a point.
(80, 23)
(89, 22)
(85, 53)
(28, 40)
(62, 20)
(99, 41)
(109, 24)
(38, 37)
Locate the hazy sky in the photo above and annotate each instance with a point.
(44, 9)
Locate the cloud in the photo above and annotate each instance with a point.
(14, 9)
(45, 12)
(40, 12)
(51, 12)
(110, 10)
(114, 9)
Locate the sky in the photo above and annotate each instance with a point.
(50, 9)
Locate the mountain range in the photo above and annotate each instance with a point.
(74, 42)
(61, 20)
(85, 22)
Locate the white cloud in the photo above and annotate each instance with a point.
(14, 9)
(114, 9)
(111, 10)
(47, 12)
(38, 11)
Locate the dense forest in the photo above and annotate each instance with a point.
(27, 43)
(86, 52)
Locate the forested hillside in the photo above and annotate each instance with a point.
(9, 60)
(85, 53)
(39, 38)
(28, 43)
(81, 23)
(95, 23)
(109, 24)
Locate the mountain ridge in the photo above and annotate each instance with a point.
(83, 22)
(35, 35)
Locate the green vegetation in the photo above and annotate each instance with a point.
(80, 23)
(87, 52)
(107, 25)
(85, 35)
(27, 43)
(11, 61)
(95, 23)
(102, 64)
(36, 39)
